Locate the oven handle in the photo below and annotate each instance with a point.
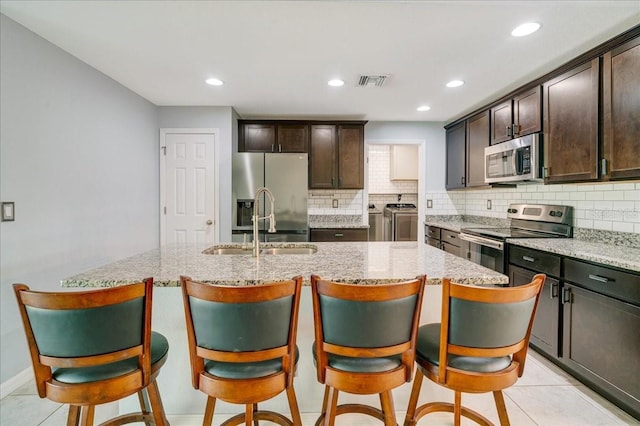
(482, 241)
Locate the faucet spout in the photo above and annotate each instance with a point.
(256, 217)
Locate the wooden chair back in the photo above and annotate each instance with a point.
(241, 324)
(487, 322)
(88, 329)
(366, 321)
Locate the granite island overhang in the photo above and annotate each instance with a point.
(360, 263)
(348, 262)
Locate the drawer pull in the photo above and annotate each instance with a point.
(452, 236)
(599, 278)
(528, 259)
(553, 291)
(339, 235)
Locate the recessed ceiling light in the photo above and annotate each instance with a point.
(336, 83)
(525, 29)
(455, 83)
(422, 108)
(214, 82)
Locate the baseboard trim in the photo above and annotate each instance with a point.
(15, 382)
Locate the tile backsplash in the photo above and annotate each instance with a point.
(348, 201)
(601, 206)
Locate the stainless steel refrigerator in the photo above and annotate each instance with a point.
(286, 176)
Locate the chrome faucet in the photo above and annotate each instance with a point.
(256, 217)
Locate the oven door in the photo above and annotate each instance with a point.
(483, 251)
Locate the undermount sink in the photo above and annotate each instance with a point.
(229, 250)
(288, 250)
(308, 249)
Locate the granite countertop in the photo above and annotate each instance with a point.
(350, 262)
(336, 221)
(599, 252)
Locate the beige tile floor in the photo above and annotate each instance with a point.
(544, 396)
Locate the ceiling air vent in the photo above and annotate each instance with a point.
(372, 80)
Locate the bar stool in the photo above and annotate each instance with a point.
(242, 345)
(479, 346)
(92, 347)
(365, 340)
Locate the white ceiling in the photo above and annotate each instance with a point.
(276, 57)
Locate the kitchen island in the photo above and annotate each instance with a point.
(358, 263)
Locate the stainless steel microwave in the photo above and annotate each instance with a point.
(513, 161)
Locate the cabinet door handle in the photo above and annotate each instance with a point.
(599, 278)
(508, 129)
(603, 166)
(553, 291)
(514, 129)
(272, 147)
(279, 148)
(566, 295)
(528, 258)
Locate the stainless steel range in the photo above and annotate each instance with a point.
(486, 246)
(400, 222)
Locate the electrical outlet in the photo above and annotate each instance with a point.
(335, 203)
(488, 204)
(429, 204)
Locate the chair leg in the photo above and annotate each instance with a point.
(332, 406)
(208, 411)
(157, 409)
(293, 406)
(386, 401)
(502, 408)
(410, 418)
(73, 418)
(255, 410)
(87, 415)
(457, 408)
(248, 414)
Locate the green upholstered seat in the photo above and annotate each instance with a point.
(159, 351)
(428, 349)
(245, 370)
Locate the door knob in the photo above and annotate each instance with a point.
(209, 222)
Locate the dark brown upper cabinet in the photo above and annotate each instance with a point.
(256, 137)
(621, 112)
(571, 125)
(336, 156)
(518, 116)
(273, 137)
(456, 156)
(477, 140)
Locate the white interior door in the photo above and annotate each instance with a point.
(187, 187)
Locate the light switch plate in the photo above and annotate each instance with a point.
(429, 204)
(488, 204)
(335, 203)
(8, 211)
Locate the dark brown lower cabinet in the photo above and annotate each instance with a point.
(338, 234)
(546, 326)
(601, 339)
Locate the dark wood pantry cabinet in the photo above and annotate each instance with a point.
(518, 116)
(621, 112)
(571, 125)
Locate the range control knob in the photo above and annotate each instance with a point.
(512, 211)
(555, 213)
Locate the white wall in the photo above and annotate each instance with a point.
(225, 120)
(79, 157)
